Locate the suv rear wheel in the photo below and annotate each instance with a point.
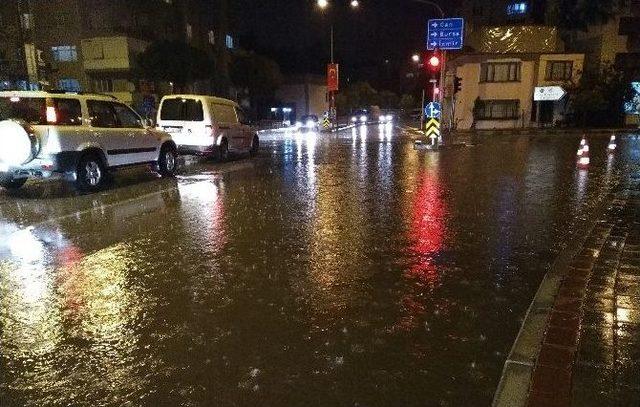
(8, 182)
(168, 161)
(91, 173)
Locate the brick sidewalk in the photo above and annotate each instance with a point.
(590, 355)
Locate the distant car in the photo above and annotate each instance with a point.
(207, 125)
(386, 118)
(360, 116)
(309, 122)
(81, 137)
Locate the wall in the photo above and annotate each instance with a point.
(533, 71)
(473, 89)
(301, 94)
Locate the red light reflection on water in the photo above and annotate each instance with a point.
(426, 236)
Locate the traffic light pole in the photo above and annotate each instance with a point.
(333, 111)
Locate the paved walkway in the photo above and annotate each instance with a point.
(590, 354)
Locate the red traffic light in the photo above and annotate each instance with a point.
(434, 61)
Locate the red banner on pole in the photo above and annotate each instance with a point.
(332, 78)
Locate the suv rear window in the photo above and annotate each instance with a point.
(185, 110)
(34, 110)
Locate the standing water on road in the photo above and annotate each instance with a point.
(335, 270)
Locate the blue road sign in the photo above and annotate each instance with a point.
(432, 110)
(445, 33)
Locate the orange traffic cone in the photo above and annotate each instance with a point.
(612, 144)
(583, 153)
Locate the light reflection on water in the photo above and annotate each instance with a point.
(351, 266)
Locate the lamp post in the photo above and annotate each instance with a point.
(324, 5)
(416, 60)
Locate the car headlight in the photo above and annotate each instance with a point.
(298, 124)
(311, 123)
(382, 119)
(363, 119)
(354, 119)
(389, 118)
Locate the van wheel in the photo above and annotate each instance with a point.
(91, 174)
(255, 146)
(223, 150)
(10, 183)
(168, 161)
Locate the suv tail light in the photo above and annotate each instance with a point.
(51, 113)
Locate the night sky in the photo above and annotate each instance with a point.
(296, 34)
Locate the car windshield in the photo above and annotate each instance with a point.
(31, 110)
(360, 112)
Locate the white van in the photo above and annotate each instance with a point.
(207, 125)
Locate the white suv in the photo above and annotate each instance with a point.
(207, 125)
(81, 137)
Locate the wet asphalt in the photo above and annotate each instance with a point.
(332, 270)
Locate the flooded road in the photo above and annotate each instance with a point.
(332, 270)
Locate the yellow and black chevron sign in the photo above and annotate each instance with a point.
(432, 128)
(326, 123)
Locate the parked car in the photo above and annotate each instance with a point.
(207, 125)
(81, 137)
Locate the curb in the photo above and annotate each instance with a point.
(515, 380)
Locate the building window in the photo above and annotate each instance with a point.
(559, 70)
(103, 85)
(498, 109)
(517, 9)
(189, 32)
(500, 72)
(64, 53)
(69, 85)
(212, 37)
(229, 41)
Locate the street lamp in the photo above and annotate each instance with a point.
(323, 5)
(415, 58)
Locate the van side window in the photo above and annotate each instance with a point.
(242, 117)
(101, 114)
(193, 111)
(225, 114)
(127, 117)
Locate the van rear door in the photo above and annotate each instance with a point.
(184, 119)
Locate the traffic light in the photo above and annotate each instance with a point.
(457, 84)
(434, 63)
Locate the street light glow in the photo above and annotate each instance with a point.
(415, 58)
(323, 4)
(355, 3)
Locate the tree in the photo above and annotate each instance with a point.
(580, 14)
(258, 76)
(388, 100)
(408, 103)
(174, 61)
(598, 100)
